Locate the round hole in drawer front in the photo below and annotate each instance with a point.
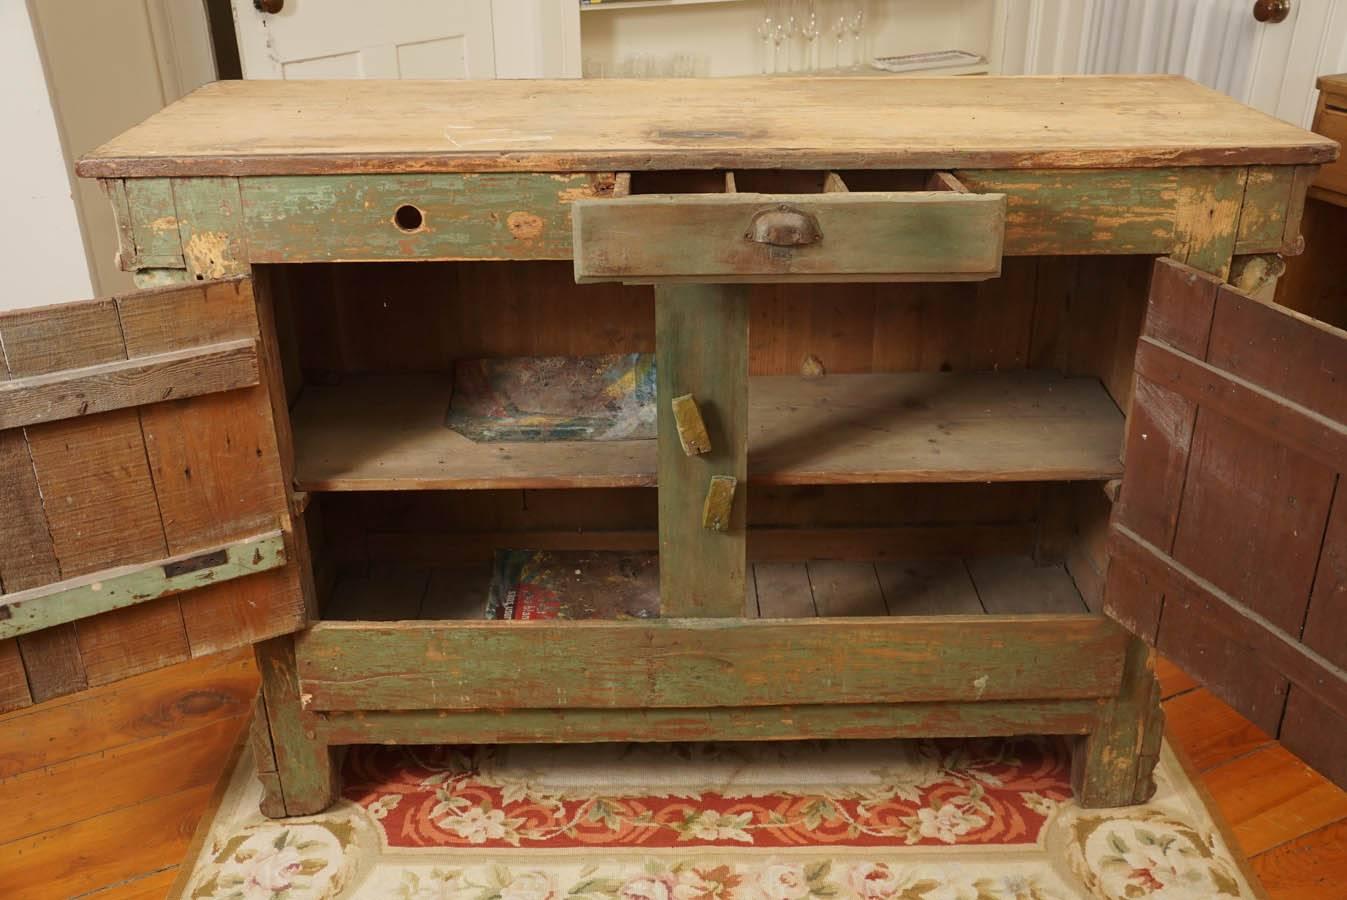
(408, 218)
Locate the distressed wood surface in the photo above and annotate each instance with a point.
(306, 777)
(826, 722)
(99, 504)
(216, 464)
(1224, 572)
(135, 486)
(293, 127)
(528, 215)
(98, 592)
(387, 433)
(917, 236)
(176, 375)
(475, 216)
(1114, 764)
(702, 349)
(210, 225)
(707, 662)
(154, 224)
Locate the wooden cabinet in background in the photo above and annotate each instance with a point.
(925, 332)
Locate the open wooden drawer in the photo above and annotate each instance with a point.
(774, 225)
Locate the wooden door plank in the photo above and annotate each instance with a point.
(702, 349)
(1227, 519)
(1326, 621)
(132, 382)
(216, 463)
(843, 588)
(928, 587)
(1016, 584)
(98, 495)
(13, 679)
(110, 589)
(1256, 534)
(783, 590)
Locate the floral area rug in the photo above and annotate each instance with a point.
(870, 820)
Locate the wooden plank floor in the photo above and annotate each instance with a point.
(100, 792)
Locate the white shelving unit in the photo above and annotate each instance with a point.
(719, 37)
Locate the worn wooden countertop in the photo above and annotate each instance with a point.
(281, 127)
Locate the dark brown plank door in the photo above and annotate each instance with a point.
(143, 516)
(1228, 548)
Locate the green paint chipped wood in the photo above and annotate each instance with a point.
(702, 662)
(154, 223)
(1083, 211)
(210, 225)
(89, 595)
(1113, 765)
(761, 723)
(701, 348)
(354, 217)
(306, 779)
(1207, 218)
(870, 235)
(1262, 217)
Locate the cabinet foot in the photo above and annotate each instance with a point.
(1114, 764)
(304, 778)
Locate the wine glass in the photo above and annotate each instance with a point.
(766, 32)
(839, 32)
(856, 25)
(778, 38)
(792, 31)
(809, 29)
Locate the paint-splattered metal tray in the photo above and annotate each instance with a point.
(555, 398)
(574, 584)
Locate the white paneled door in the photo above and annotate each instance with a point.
(1269, 65)
(359, 39)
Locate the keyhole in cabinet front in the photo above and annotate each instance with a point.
(408, 217)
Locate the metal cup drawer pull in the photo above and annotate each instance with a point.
(784, 226)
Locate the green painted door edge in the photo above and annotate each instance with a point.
(89, 595)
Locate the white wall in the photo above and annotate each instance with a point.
(41, 250)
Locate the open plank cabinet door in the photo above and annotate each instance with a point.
(1228, 545)
(144, 517)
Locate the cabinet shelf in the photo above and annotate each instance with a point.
(387, 433)
(994, 585)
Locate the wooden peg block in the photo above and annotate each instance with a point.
(719, 502)
(691, 429)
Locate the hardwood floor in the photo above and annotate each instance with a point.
(100, 792)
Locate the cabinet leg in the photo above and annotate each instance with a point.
(1114, 764)
(305, 778)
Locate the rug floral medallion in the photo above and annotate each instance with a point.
(869, 820)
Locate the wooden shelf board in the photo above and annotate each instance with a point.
(385, 433)
(999, 585)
